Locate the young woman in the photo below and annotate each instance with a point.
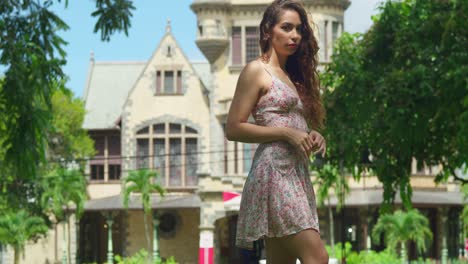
(281, 91)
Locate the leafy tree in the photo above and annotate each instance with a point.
(32, 52)
(401, 227)
(67, 140)
(144, 182)
(18, 227)
(399, 92)
(328, 178)
(63, 189)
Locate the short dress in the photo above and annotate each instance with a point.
(278, 198)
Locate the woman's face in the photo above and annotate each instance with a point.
(286, 34)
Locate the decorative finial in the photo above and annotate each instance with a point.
(168, 25)
(91, 56)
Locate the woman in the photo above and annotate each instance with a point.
(281, 91)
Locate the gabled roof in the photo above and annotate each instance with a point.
(109, 84)
(106, 92)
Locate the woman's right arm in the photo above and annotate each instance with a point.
(248, 89)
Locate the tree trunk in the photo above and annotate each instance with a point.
(332, 227)
(145, 216)
(68, 240)
(16, 252)
(403, 253)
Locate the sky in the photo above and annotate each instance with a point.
(148, 26)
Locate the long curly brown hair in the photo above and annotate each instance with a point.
(302, 65)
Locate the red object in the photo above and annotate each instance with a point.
(229, 195)
(206, 256)
(466, 243)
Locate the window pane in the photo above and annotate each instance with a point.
(169, 82)
(159, 161)
(190, 130)
(175, 169)
(99, 145)
(321, 28)
(252, 47)
(334, 31)
(179, 81)
(175, 128)
(142, 153)
(144, 130)
(159, 128)
(236, 46)
(114, 172)
(158, 82)
(191, 162)
(325, 40)
(97, 172)
(113, 144)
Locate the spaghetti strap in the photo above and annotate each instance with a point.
(272, 76)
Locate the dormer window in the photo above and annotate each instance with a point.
(168, 82)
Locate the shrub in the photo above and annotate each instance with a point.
(141, 257)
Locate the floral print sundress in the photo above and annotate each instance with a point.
(278, 198)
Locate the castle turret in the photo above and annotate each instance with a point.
(212, 36)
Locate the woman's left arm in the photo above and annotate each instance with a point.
(319, 142)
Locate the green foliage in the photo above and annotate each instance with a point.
(339, 250)
(400, 92)
(33, 53)
(18, 227)
(113, 15)
(67, 140)
(63, 188)
(401, 227)
(144, 182)
(372, 257)
(386, 256)
(141, 257)
(328, 177)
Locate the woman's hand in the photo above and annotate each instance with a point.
(318, 142)
(300, 140)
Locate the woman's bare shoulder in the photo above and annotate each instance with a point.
(254, 73)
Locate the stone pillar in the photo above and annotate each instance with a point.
(444, 252)
(206, 252)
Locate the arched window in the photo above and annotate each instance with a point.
(172, 150)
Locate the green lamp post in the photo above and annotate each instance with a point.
(110, 253)
(156, 256)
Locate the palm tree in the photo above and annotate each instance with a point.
(329, 178)
(401, 227)
(143, 181)
(64, 188)
(17, 227)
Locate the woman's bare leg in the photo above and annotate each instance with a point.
(276, 252)
(307, 246)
